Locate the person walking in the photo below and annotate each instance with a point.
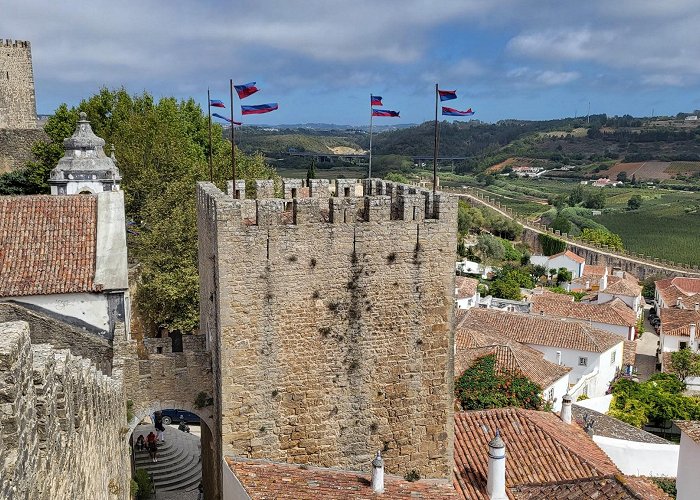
(160, 428)
(152, 446)
(140, 443)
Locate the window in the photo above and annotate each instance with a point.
(582, 361)
(612, 357)
(683, 345)
(550, 394)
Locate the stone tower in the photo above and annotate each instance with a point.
(330, 321)
(84, 168)
(17, 100)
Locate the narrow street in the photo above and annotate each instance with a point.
(646, 350)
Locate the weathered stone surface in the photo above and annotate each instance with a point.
(331, 328)
(16, 147)
(17, 102)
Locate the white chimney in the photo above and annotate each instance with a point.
(588, 284)
(697, 306)
(378, 473)
(496, 481)
(566, 409)
(558, 357)
(692, 336)
(604, 282)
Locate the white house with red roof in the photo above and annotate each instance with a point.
(680, 292)
(573, 263)
(466, 292)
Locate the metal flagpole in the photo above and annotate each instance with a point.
(371, 115)
(436, 141)
(211, 170)
(233, 142)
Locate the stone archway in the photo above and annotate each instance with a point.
(144, 409)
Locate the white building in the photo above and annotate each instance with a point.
(678, 329)
(594, 355)
(680, 292)
(687, 478)
(466, 292)
(626, 290)
(573, 263)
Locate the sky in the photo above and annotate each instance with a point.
(321, 59)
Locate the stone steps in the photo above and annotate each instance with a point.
(179, 465)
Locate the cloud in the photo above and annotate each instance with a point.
(547, 78)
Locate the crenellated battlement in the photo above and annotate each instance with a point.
(18, 44)
(346, 201)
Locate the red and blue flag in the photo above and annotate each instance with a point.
(216, 103)
(447, 95)
(385, 112)
(245, 90)
(455, 112)
(376, 100)
(259, 109)
(224, 118)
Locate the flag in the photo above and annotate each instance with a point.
(216, 103)
(376, 100)
(446, 95)
(455, 112)
(259, 109)
(245, 90)
(224, 118)
(385, 112)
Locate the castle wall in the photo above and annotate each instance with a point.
(333, 321)
(16, 147)
(17, 101)
(61, 423)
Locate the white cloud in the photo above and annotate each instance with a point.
(525, 76)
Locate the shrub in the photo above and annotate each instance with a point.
(551, 245)
(144, 483)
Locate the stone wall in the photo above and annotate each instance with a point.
(62, 423)
(332, 320)
(16, 147)
(17, 101)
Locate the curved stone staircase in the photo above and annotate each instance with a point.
(179, 466)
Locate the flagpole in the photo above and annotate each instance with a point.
(211, 170)
(233, 142)
(369, 174)
(435, 146)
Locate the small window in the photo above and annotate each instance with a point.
(683, 345)
(612, 357)
(159, 350)
(550, 394)
(583, 361)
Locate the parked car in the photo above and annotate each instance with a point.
(170, 416)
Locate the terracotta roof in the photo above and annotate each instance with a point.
(571, 255)
(671, 294)
(543, 292)
(47, 244)
(687, 285)
(677, 321)
(614, 312)
(690, 427)
(625, 287)
(510, 356)
(536, 330)
(609, 488)
(597, 271)
(264, 480)
(629, 352)
(540, 448)
(466, 287)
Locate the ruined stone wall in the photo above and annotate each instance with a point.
(17, 101)
(16, 147)
(332, 318)
(62, 423)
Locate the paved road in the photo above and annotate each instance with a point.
(646, 350)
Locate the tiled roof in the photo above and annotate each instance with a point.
(690, 427)
(614, 312)
(510, 356)
(597, 271)
(47, 244)
(543, 292)
(687, 285)
(466, 287)
(671, 294)
(604, 425)
(629, 352)
(571, 255)
(264, 480)
(609, 488)
(677, 321)
(540, 448)
(536, 330)
(625, 287)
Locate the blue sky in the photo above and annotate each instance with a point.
(320, 59)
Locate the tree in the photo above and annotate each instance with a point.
(490, 247)
(551, 245)
(576, 195)
(602, 237)
(482, 387)
(634, 202)
(311, 172)
(685, 363)
(622, 176)
(595, 200)
(563, 275)
(469, 219)
(561, 223)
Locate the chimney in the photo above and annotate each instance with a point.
(588, 284)
(378, 473)
(697, 306)
(678, 302)
(496, 481)
(558, 357)
(603, 282)
(565, 413)
(692, 336)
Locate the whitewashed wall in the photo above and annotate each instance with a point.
(688, 479)
(88, 307)
(642, 459)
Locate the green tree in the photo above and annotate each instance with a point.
(561, 223)
(622, 176)
(634, 202)
(595, 199)
(685, 363)
(563, 275)
(311, 172)
(576, 195)
(490, 247)
(551, 245)
(602, 237)
(482, 387)
(469, 219)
